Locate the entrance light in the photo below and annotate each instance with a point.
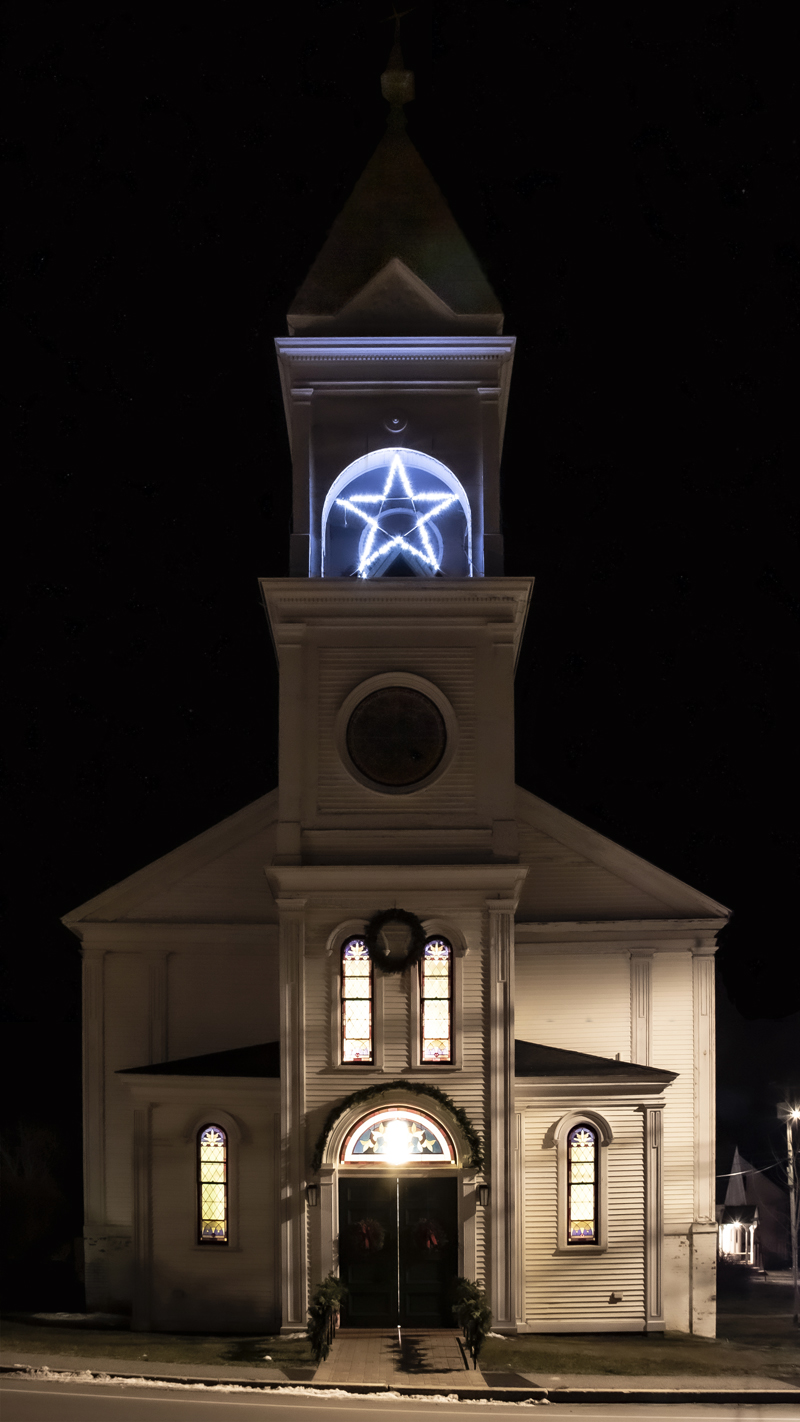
(483, 1195)
(398, 1142)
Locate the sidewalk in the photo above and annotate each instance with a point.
(374, 1364)
(417, 1359)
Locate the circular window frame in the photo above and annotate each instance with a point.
(414, 683)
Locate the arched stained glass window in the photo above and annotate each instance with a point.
(436, 1001)
(356, 1002)
(582, 1186)
(212, 1185)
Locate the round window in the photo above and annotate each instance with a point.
(396, 736)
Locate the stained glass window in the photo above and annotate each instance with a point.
(436, 992)
(356, 1002)
(212, 1186)
(582, 1186)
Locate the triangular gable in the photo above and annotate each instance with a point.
(578, 874)
(395, 210)
(217, 877)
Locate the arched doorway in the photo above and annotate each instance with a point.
(398, 1221)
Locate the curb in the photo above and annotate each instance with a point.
(463, 1394)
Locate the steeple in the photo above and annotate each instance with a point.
(395, 261)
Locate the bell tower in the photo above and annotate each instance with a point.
(395, 379)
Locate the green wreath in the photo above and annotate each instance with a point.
(379, 957)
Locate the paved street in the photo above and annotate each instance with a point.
(38, 1400)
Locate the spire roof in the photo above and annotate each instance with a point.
(395, 261)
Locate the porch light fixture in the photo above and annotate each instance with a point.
(483, 1195)
(312, 1195)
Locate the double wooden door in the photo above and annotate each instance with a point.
(398, 1250)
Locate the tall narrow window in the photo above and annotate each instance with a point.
(582, 1186)
(212, 1185)
(356, 1002)
(436, 1001)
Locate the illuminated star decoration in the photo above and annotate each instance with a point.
(380, 540)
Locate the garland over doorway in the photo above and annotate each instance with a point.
(477, 1159)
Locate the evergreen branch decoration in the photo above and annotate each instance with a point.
(325, 1304)
(477, 1158)
(472, 1310)
(385, 963)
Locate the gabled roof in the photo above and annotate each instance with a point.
(396, 225)
(533, 1059)
(217, 877)
(261, 1060)
(578, 874)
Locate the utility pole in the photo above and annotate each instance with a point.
(792, 1114)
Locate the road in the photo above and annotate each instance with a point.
(39, 1400)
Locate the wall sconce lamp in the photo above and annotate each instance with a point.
(312, 1195)
(483, 1195)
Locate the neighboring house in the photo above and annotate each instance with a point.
(754, 1219)
(266, 1099)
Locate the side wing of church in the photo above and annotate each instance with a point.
(399, 1018)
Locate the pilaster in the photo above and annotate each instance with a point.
(94, 1167)
(704, 1086)
(502, 1232)
(641, 1005)
(294, 1264)
(654, 1219)
(157, 1021)
(142, 1217)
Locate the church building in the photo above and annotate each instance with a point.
(340, 1030)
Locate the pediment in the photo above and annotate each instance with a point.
(577, 874)
(217, 877)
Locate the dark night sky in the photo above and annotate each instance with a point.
(628, 184)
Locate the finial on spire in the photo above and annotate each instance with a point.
(397, 82)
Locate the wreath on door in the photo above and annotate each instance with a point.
(429, 1237)
(390, 962)
(365, 1236)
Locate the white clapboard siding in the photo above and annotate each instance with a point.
(563, 884)
(574, 1001)
(215, 1287)
(326, 1086)
(451, 670)
(221, 998)
(672, 1039)
(127, 1044)
(568, 1287)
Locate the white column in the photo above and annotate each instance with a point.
(502, 1233)
(653, 1218)
(641, 1006)
(142, 1217)
(94, 1169)
(294, 1276)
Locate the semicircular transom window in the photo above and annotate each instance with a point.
(398, 1136)
(397, 513)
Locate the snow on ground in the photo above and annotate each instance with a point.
(296, 1391)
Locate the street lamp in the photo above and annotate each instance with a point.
(791, 1114)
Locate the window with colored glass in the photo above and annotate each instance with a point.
(582, 1186)
(356, 1002)
(436, 1001)
(212, 1185)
